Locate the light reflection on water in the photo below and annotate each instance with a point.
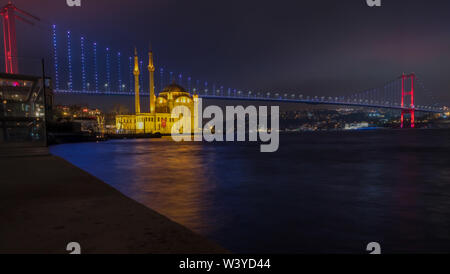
(321, 192)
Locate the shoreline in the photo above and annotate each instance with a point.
(46, 203)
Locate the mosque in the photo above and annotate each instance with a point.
(159, 120)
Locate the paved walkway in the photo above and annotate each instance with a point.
(45, 203)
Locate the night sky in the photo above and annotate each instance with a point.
(313, 47)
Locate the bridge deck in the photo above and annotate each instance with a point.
(273, 99)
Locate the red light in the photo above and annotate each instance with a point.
(85, 110)
(411, 108)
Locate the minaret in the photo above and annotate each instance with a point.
(151, 70)
(137, 105)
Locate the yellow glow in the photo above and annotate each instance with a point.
(139, 125)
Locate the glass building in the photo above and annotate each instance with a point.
(23, 110)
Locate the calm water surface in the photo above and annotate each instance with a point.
(320, 193)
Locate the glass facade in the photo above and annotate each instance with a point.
(23, 109)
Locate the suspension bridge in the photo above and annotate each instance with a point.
(104, 71)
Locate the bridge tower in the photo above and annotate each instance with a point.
(9, 15)
(411, 108)
(136, 72)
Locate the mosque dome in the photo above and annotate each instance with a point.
(173, 91)
(171, 96)
(174, 88)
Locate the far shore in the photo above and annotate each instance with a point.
(46, 203)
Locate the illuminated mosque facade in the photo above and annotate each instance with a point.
(159, 119)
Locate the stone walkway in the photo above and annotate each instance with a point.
(46, 202)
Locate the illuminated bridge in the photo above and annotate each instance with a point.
(405, 93)
(399, 94)
(101, 70)
(389, 96)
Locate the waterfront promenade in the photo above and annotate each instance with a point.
(46, 202)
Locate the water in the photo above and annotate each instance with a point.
(320, 193)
